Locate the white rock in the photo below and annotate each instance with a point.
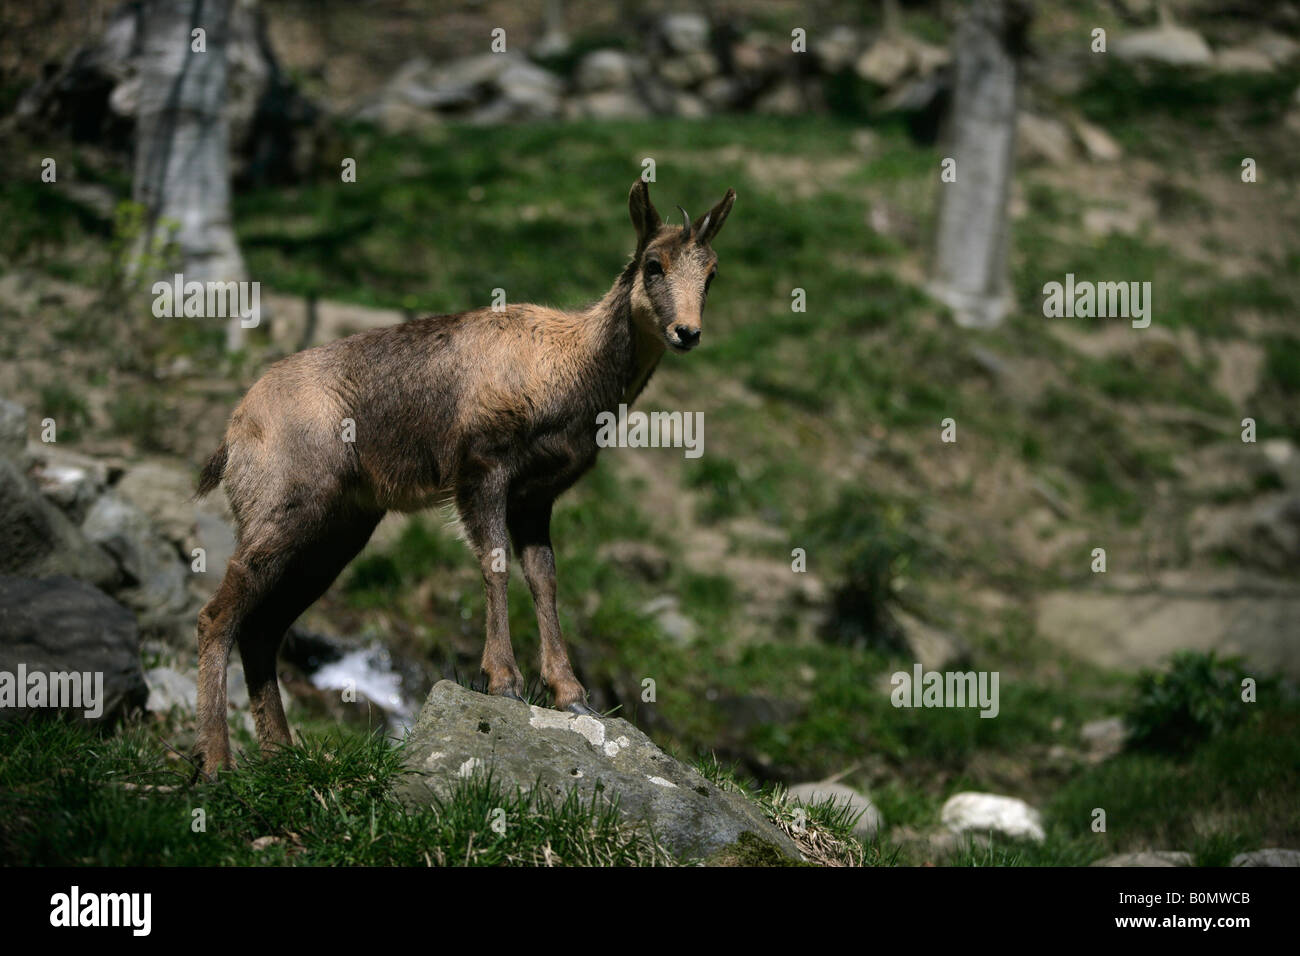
(604, 70)
(170, 689)
(684, 32)
(989, 811)
(1170, 44)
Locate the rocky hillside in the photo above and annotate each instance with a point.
(1172, 448)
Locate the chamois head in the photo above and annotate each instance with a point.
(673, 268)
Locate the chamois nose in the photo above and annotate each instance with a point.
(687, 337)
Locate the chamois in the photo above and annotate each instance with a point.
(494, 409)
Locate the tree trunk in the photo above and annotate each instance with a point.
(182, 161)
(970, 265)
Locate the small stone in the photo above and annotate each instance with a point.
(1270, 857)
(988, 811)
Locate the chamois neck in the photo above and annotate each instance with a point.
(627, 344)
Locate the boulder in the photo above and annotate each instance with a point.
(1146, 858)
(165, 493)
(61, 625)
(69, 480)
(36, 539)
(156, 577)
(460, 733)
(868, 822)
(980, 812)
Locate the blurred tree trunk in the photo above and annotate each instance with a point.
(182, 158)
(970, 264)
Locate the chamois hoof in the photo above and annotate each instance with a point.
(510, 695)
(580, 708)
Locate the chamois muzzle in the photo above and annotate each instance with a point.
(684, 337)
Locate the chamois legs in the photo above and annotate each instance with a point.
(265, 589)
(530, 527)
(482, 507)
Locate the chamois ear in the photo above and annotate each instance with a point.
(710, 224)
(645, 218)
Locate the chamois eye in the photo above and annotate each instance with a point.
(653, 268)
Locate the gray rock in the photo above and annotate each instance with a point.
(869, 820)
(1167, 43)
(460, 733)
(69, 480)
(604, 70)
(722, 92)
(170, 689)
(1096, 142)
(836, 49)
(607, 104)
(666, 611)
(61, 625)
(1146, 858)
(684, 32)
(37, 540)
(934, 648)
(884, 63)
(1106, 737)
(155, 585)
(1270, 857)
(217, 539)
(165, 493)
(1042, 139)
(1243, 60)
(784, 99)
(13, 431)
(981, 812)
(528, 92)
(689, 70)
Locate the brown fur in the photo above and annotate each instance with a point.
(495, 411)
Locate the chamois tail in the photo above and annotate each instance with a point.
(210, 477)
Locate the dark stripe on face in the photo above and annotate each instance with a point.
(660, 292)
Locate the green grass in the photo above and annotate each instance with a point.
(70, 798)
